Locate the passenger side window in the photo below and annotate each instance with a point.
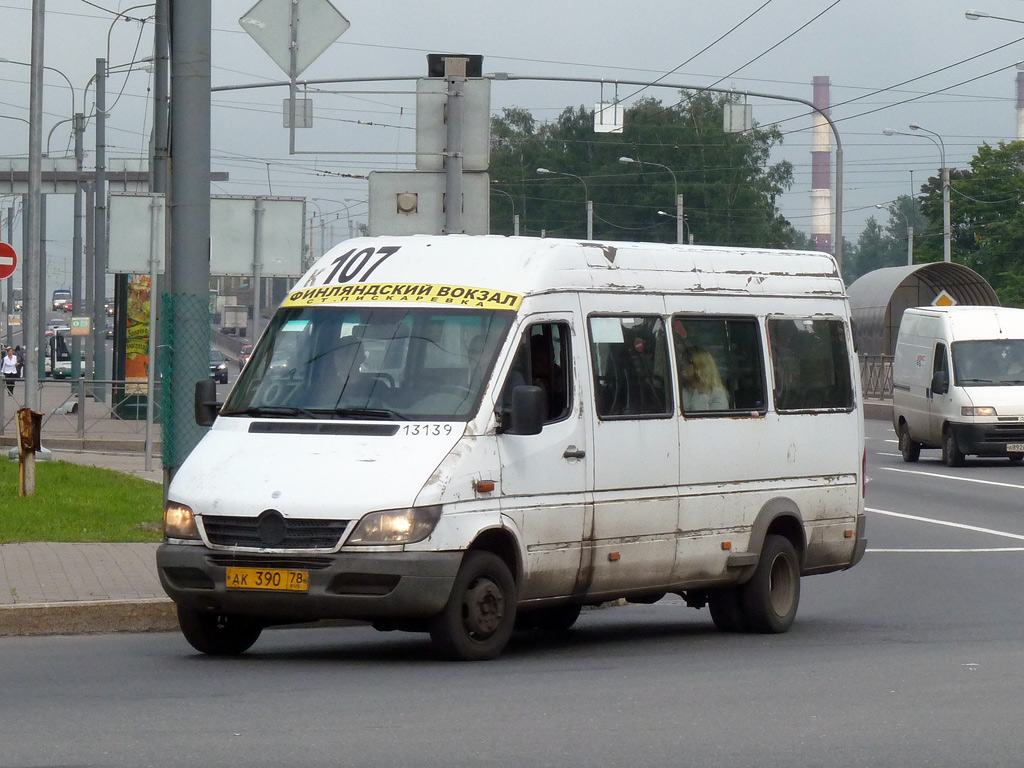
(719, 364)
(811, 364)
(630, 360)
(543, 360)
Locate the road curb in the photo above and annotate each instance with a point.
(75, 618)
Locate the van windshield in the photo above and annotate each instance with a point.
(988, 363)
(416, 363)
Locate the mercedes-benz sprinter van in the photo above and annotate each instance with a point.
(464, 435)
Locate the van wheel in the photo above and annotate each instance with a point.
(726, 610)
(771, 597)
(909, 448)
(218, 634)
(1015, 458)
(481, 611)
(952, 456)
(556, 618)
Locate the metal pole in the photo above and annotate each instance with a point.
(155, 213)
(99, 232)
(455, 74)
(910, 246)
(947, 234)
(293, 50)
(515, 225)
(10, 280)
(590, 219)
(90, 280)
(189, 360)
(257, 267)
(41, 293)
(679, 218)
(77, 300)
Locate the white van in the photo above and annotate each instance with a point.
(463, 435)
(958, 382)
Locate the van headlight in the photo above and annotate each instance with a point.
(396, 526)
(179, 522)
(977, 410)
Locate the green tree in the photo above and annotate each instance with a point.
(986, 218)
(729, 189)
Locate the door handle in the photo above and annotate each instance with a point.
(573, 453)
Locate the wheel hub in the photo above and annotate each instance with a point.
(484, 608)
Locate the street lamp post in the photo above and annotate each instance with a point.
(678, 226)
(586, 195)
(675, 188)
(910, 231)
(947, 239)
(515, 216)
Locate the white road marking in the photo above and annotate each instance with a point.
(933, 521)
(932, 551)
(953, 477)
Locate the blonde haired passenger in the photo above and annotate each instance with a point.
(699, 382)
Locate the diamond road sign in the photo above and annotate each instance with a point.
(269, 24)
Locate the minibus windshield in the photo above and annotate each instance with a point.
(407, 363)
(988, 363)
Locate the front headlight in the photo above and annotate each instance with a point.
(396, 526)
(179, 522)
(977, 410)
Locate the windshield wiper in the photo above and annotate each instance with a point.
(272, 410)
(972, 380)
(368, 413)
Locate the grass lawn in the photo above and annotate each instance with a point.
(79, 503)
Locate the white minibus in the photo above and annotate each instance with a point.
(466, 435)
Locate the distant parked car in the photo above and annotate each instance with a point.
(244, 356)
(218, 366)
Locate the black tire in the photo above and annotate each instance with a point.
(217, 634)
(726, 610)
(951, 453)
(771, 597)
(909, 448)
(477, 622)
(1015, 458)
(556, 618)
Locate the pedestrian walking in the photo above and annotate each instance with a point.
(20, 354)
(9, 369)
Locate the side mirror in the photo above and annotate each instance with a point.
(526, 416)
(206, 405)
(940, 383)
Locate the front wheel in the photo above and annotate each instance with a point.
(952, 456)
(481, 612)
(910, 449)
(726, 610)
(771, 597)
(218, 634)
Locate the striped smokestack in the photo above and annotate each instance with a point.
(821, 170)
(1020, 106)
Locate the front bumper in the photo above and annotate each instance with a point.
(988, 439)
(346, 585)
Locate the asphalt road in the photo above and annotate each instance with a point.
(914, 658)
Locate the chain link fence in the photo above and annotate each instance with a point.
(186, 334)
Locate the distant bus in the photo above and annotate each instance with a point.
(60, 296)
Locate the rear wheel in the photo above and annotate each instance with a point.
(218, 634)
(726, 610)
(1015, 458)
(481, 611)
(557, 618)
(952, 456)
(770, 599)
(909, 448)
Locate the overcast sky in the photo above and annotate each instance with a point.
(890, 64)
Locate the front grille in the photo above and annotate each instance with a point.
(238, 560)
(298, 534)
(1004, 433)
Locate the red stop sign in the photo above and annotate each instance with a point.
(8, 260)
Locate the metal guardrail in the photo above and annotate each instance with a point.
(84, 409)
(876, 376)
